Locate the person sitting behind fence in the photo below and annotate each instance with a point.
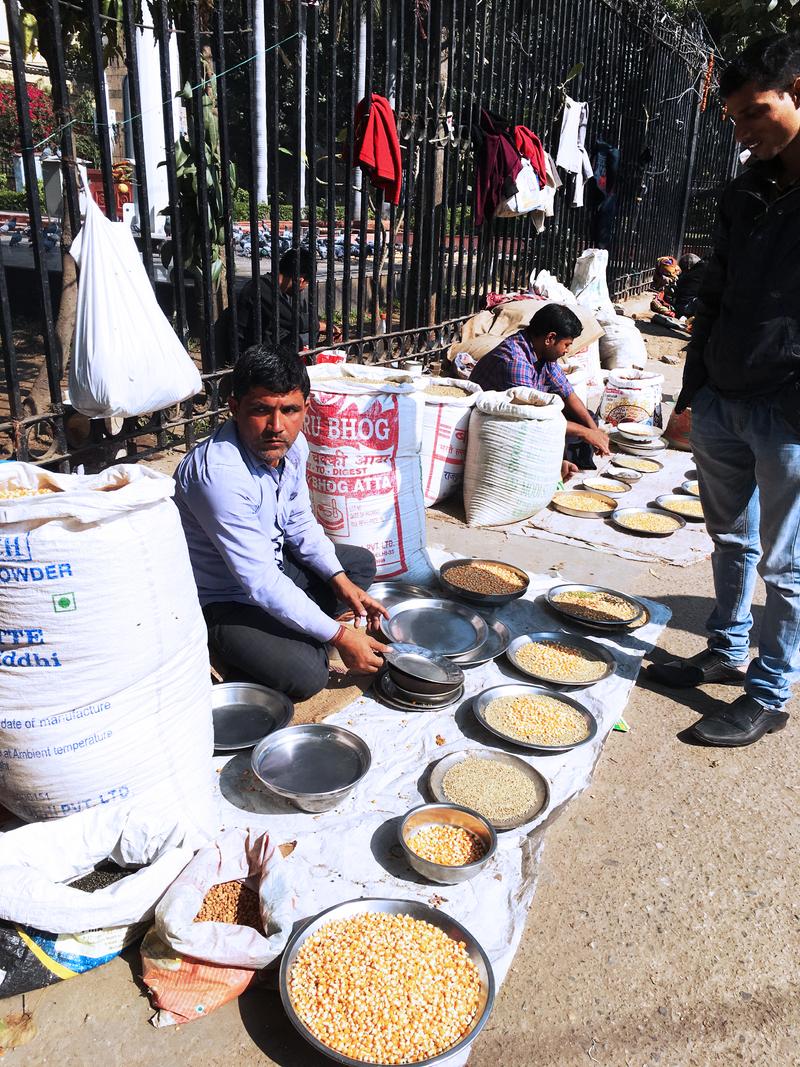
(278, 305)
(271, 584)
(529, 359)
(687, 287)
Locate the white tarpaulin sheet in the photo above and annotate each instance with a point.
(352, 851)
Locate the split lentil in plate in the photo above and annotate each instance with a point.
(690, 509)
(558, 662)
(597, 605)
(536, 720)
(588, 503)
(385, 988)
(635, 463)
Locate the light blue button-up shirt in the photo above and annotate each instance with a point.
(237, 514)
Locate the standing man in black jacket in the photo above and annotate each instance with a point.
(742, 380)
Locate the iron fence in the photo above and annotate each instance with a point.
(250, 108)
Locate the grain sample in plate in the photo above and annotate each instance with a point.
(692, 508)
(606, 485)
(493, 789)
(452, 846)
(648, 522)
(536, 720)
(491, 579)
(692, 487)
(230, 902)
(581, 502)
(644, 466)
(446, 390)
(559, 663)
(385, 988)
(597, 606)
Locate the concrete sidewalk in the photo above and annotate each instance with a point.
(665, 928)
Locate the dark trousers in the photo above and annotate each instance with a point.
(261, 649)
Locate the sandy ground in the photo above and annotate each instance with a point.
(665, 928)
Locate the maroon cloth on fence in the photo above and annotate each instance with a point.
(529, 146)
(499, 163)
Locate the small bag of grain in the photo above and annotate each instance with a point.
(228, 915)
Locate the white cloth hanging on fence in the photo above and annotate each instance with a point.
(572, 154)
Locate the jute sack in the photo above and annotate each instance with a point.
(514, 454)
(105, 691)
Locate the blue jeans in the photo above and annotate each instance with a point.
(748, 464)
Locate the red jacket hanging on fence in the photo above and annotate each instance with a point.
(498, 164)
(377, 148)
(529, 146)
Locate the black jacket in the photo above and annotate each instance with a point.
(746, 333)
(273, 303)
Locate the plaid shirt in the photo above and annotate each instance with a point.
(514, 363)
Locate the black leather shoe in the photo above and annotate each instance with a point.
(703, 669)
(741, 723)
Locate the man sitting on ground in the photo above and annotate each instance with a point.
(278, 305)
(271, 584)
(529, 359)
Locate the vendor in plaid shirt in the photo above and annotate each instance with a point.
(529, 359)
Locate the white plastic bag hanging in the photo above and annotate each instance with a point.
(126, 359)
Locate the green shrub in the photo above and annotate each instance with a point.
(17, 200)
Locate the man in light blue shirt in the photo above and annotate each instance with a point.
(271, 584)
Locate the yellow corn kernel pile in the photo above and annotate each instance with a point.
(537, 720)
(452, 846)
(489, 578)
(559, 663)
(606, 485)
(693, 488)
(649, 522)
(14, 494)
(385, 988)
(603, 607)
(582, 502)
(493, 789)
(692, 508)
(645, 466)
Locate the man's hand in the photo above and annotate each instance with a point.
(568, 469)
(598, 440)
(360, 603)
(359, 652)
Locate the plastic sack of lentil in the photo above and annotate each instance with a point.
(74, 893)
(197, 956)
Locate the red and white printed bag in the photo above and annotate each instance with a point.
(444, 436)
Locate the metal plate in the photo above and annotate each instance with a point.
(692, 487)
(620, 512)
(679, 498)
(444, 626)
(565, 509)
(565, 609)
(416, 910)
(423, 664)
(621, 472)
(315, 765)
(624, 462)
(541, 784)
(639, 431)
(497, 641)
(622, 485)
(653, 444)
(630, 449)
(392, 697)
(583, 644)
(482, 701)
(393, 592)
(243, 713)
(482, 598)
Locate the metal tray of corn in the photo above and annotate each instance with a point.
(689, 507)
(583, 504)
(534, 718)
(648, 522)
(596, 606)
(506, 802)
(565, 660)
(353, 912)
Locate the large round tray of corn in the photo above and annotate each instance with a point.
(648, 522)
(561, 659)
(583, 504)
(594, 605)
(534, 717)
(689, 507)
(501, 787)
(350, 982)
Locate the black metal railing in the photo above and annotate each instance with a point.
(389, 280)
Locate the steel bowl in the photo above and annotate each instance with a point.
(244, 712)
(449, 815)
(591, 648)
(314, 766)
(420, 672)
(618, 515)
(482, 598)
(482, 701)
(392, 697)
(415, 910)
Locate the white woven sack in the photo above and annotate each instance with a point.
(589, 281)
(126, 358)
(444, 437)
(514, 454)
(105, 690)
(364, 433)
(622, 347)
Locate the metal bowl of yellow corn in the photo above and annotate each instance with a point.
(560, 659)
(446, 843)
(323, 978)
(534, 718)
